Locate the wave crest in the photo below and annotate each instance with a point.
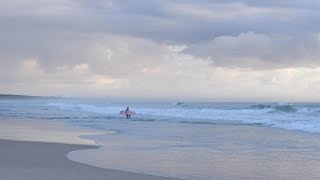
(275, 108)
(182, 104)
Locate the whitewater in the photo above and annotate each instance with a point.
(289, 116)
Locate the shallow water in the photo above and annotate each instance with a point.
(208, 152)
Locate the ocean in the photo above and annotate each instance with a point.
(178, 139)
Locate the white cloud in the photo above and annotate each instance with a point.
(80, 68)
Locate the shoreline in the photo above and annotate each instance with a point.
(46, 131)
(239, 152)
(21, 160)
(32, 151)
(38, 149)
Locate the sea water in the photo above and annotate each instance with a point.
(176, 139)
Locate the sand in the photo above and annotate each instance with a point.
(45, 131)
(36, 150)
(239, 152)
(20, 160)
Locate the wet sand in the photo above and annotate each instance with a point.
(237, 152)
(36, 150)
(21, 160)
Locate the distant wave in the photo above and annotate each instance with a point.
(182, 104)
(260, 106)
(275, 108)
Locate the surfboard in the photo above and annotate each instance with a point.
(128, 113)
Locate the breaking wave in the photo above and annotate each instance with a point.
(305, 117)
(273, 108)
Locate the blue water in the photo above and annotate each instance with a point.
(173, 134)
(290, 116)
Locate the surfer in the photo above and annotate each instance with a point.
(127, 110)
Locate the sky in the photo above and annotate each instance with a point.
(199, 50)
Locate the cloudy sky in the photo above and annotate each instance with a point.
(212, 50)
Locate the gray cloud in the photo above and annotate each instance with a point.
(53, 30)
(254, 50)
(122, 46)
(180, 21)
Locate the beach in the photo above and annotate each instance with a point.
(46, 157)
(21, 160)
(241, 152)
